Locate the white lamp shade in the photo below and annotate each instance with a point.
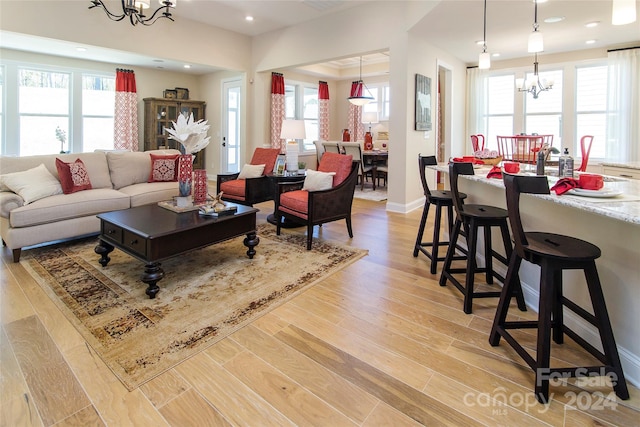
(142, 3)
(360, 100)
(293, 129)
(623, 12)
(484, 61)
(370, 117)
(536, 43)
(520, 83)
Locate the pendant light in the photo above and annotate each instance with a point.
(359, 98)
(536, 44)
(623, 12)
(484, 61)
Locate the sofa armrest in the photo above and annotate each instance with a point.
(8, 202)
(220, 178)
(258, 190)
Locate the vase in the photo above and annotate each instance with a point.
(185, 174)
(200, 186)
(346, 136)
(368, 141)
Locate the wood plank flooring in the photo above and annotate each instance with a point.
(379, 343)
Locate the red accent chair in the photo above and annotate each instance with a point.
(317, 207)
(251, 190)
(477, 142)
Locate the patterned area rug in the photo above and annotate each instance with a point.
(205, 295)
(369, 194)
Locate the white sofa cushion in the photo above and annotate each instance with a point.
(96, 164)
(32, 184)
(128, 168)
(151, 192)
(66, 206)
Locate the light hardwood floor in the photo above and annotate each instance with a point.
(379, 343)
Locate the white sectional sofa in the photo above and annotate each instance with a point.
(119, 180)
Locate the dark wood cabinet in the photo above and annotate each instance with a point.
(158, 115)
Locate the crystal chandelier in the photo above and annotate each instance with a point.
(135, 11)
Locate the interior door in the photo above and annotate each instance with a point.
(230, 149)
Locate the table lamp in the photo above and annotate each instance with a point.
(292, 130)
(369, 117)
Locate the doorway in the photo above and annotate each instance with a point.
(231, 102)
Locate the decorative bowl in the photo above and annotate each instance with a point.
(493, 161)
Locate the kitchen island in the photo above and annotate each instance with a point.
(613, 224)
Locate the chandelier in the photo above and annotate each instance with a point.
(135, 11)
(535, 85)
(359, 98)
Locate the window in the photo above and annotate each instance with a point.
(544, 114)
(591, 107)
(55, 110)
(43, 107)
(98, 104)
(500, 108)
(380, 104)
(301, 103)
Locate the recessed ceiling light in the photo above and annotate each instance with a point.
(495, 55)
(248, 18)
(554, 19)
(81, 49)
(590, 41)
(592, 24)
(480, 42)
(187, 66)
(540, 1)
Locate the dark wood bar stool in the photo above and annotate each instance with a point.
(440, 199)
(554, 253)
(471, 218)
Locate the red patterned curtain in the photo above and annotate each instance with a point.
(355, 114)
(125, 118)
(277, 109)
(323, 111)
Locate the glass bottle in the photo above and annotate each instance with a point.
(565, 165)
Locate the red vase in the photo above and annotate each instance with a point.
(199, 186)
(185, 174)
(346, 136)
(368, 141)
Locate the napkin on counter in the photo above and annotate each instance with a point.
(565, 184)
(495, 172)
(463, 160)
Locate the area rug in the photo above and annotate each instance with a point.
(376, 195)
(205, 295)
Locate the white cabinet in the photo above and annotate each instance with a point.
(629, 173)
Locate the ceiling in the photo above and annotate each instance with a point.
(453, 25)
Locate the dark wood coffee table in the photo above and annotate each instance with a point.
(151, 234)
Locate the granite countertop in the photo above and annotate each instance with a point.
(624, 207)
(628, 165)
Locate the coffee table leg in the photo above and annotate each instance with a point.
(152, 275)
(103, 249)
(251, 241)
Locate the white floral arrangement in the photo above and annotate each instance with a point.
(190, 133)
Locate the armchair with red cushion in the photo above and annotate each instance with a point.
(248, 191)
(315, 207)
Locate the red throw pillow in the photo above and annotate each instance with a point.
(73, 176)
(164, 167)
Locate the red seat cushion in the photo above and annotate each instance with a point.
(233, 189)
(266, 157)
(295, 202)
(338, 163)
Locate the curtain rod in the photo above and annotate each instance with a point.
(623, 48)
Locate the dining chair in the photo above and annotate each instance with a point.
(554, 253)
(585, 149)
(319, 149)
(355, 150)
(331, 146)
(477, 142)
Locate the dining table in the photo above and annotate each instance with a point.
(375, 158)
(608, 218)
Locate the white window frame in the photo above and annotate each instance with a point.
(382, 101)
(299, 109)
(10, 144)
(598, 140)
